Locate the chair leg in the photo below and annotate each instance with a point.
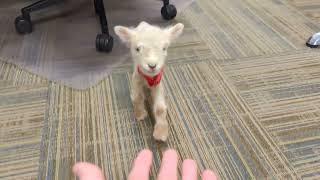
(104, 42)
(165, 2)
(23, 22)
(168, 11)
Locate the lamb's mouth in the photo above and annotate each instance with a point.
(152, 72)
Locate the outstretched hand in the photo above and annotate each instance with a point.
(142, 165)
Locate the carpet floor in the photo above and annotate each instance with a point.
(243, 93)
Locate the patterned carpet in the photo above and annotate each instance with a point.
(244, 100)
(309, 7)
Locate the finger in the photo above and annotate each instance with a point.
(208, 175)
(87, 171)
(189, 170)
(141, 166)
(168, 170)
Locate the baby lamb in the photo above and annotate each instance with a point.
(148, 45)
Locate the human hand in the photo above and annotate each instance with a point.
(142, 165)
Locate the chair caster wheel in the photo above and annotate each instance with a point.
(23, 25)
(104, 43)
(168, 12)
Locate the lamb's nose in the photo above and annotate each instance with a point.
(152, 66)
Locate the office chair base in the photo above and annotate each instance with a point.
(23, 25)
(168, 12)
(104, 43)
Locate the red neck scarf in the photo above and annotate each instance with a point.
(152, 81)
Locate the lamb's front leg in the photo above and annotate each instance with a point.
(138, 98)
(161, 128)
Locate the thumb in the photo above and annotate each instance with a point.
(87, 171)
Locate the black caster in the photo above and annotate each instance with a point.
(23, 25)
(104, 43)
(168, 12)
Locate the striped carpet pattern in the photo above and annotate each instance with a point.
(247, 28)
(282, 92)
(23, 99)
(310, 8)
(242, 89)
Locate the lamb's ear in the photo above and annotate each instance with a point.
(124, 33)
(175, 31)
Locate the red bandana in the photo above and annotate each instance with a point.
(152, 81)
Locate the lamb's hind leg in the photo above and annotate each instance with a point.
(161, 128)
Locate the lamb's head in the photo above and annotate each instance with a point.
(149, 44)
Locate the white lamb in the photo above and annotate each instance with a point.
(148, 45)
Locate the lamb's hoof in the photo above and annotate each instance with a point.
(161, 131)
(140, 115)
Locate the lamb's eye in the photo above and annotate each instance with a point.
(164, 49)
(138, 49)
